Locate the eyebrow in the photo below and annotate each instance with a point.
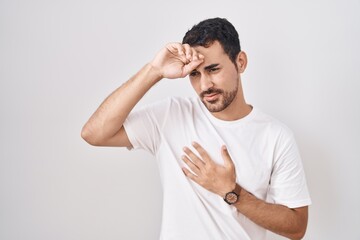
(207, 67)
(211, 66)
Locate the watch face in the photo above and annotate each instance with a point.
(231, 197)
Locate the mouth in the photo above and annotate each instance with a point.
(211, 97)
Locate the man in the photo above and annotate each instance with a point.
(228, 170)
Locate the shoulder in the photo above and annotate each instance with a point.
(182, 101)
(173, 101)
(176, 103)
(273, 125)
(170, 106)
(279, 135)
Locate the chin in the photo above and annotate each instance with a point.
(215, 106)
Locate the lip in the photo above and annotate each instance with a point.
(211, 97)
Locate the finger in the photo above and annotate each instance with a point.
(201, 57)
(192, 65)
(190, 175)
(178, 50)
(196, 55)
(188, 52)
(204, 155)
(175, 48)
(191, 165)
(228, 163)
(194, 158)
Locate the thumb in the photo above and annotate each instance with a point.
(226, 156)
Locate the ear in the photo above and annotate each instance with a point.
(241, 61)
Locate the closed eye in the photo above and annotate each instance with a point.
(194, 74)
(213, 69)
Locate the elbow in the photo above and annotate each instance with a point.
(295, 231)
(300, 225)
(89, 136)
(298, 235)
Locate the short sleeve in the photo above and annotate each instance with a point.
(288, 183)
(142, 127)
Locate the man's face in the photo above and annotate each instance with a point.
(216, 80)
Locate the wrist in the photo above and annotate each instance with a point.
(155, 72)
(233, 196)
(227, 188)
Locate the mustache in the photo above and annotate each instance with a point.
(211, 91)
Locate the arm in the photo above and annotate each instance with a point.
(279, 219)
(220, 180)
(105, 126)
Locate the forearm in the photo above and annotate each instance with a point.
(220, 179)
(104, 128)
(279, 219)
(111, 114)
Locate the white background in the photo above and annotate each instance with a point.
(60, 59)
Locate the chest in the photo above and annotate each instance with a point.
(250, 147)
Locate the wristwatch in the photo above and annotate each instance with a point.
(233, 196)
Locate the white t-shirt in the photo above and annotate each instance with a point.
(264, 152)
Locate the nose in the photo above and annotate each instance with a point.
(205, 82)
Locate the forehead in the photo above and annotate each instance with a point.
(213, 54)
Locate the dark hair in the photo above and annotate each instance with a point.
(215, 29)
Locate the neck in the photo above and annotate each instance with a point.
(236, 110)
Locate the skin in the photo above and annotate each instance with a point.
(217, 81)
(220, 179)
(223, 76)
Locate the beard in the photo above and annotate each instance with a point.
(222, 102)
